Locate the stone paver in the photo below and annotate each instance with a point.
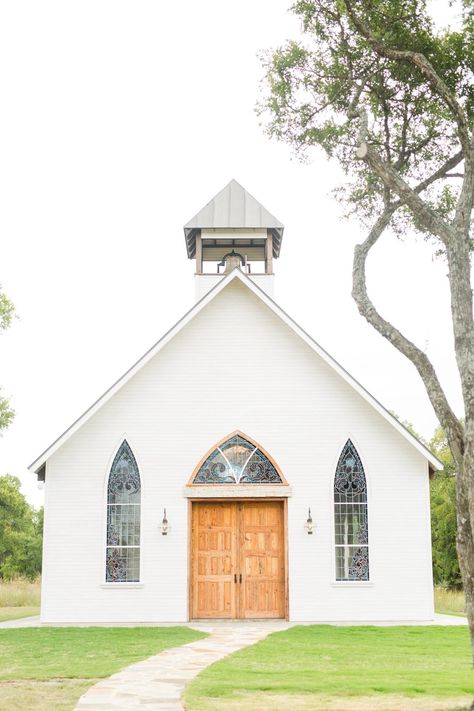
(157, 683)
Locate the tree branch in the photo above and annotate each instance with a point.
(426, 68)
(419, 359)
(440, 173)
(462, 218)
(466, 200)
(422, 212)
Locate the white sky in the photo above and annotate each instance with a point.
(120, 120)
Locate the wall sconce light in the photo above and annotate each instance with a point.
(164, 525)
(309, 525)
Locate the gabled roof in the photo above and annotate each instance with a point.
(206, 299)
(233, 208)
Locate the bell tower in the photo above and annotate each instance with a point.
(233, 231)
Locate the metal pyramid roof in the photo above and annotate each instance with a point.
(233, 208)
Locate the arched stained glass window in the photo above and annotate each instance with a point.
(123, 518)
(237, 461)
(350, 517)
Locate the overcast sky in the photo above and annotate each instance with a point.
(120, 120)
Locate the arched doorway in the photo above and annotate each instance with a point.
(238, 545)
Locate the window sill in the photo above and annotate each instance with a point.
(120, 586)
(352, 584)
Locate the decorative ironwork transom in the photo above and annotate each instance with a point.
(350, 517)
(237, 461)
(350, 478)
(123, 518)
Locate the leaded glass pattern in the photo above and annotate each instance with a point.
(123, 518)
(350, 517)
(237, 461)
(123, 565)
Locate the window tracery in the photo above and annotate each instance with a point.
(350, 517)
(123, 518)
(237, 461)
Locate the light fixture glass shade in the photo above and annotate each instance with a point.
(309, 525)
(164, 525)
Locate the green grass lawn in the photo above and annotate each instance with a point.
(313, 667)
(49, 668)
(15, 613)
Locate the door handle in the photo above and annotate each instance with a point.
(240, 578)
(235, 577)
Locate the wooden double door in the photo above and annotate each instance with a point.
(238, 560)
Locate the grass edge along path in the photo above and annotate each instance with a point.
(16, 613)
(50, 667)
(46, 695)
(324, 664)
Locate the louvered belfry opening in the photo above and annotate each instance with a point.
(233, 230)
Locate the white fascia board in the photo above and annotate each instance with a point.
(202, 303)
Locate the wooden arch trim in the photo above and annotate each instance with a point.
(222, 441)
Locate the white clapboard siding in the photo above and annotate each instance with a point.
(236, 366)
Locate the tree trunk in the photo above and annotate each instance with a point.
(460, 438)
(464, 538)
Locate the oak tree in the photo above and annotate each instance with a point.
(21, 532)
(443, 515)
(390, 96)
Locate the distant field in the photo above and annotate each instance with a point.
(20, 593)
(450, 602)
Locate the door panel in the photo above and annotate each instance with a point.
(238, 559)
(214, 555)
(262, 559)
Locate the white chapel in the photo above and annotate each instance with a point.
(288, 492)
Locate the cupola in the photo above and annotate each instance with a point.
(233, 231)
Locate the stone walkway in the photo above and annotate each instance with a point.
(157, 683)
(438, 619)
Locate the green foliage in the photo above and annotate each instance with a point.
(440, 448)
(446, 571)
(443, 531)
(443, 516)
(21, 532)
(6, 314)
(6, 311)
(343, 661)
(315, 87)
(6, 413)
